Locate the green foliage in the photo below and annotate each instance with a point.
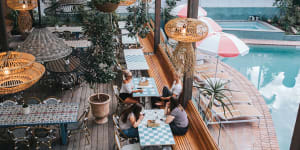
(100, 2)
(171, 4)
(216, 91)
(13, 16)
(136, 21)
(101, 56)
(289, 13)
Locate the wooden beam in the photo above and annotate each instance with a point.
(3, 32)
(295, 145)
(157, 25)
(189, 76)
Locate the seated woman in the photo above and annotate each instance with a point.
(175, 91)
(130, 120)
(127, 88)
(176, 117)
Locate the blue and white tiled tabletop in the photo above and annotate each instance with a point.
(135, 59)
(148, 91)
(155, 136)
(40, 114)
(129, 40)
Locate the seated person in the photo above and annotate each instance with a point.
(130, 120)
(175, 91)
(127, 88)
(176, 117)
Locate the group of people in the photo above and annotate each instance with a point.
(131, 117)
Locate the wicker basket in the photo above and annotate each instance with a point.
(107, 7)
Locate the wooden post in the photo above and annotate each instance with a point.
(40, 15)
(157, 24)
(189, 76)
(3, 32)
(295, 145)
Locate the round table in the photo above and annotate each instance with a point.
(63, 66)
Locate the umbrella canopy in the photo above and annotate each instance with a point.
(211, 24)
(44, 45)
(181, 11)
(222, 44)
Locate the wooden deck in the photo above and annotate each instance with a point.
(102, 136)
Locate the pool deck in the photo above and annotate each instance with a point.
(271, 42)
(253, 136)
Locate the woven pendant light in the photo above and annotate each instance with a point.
(24, 18)
(18, 71)
(186, 31)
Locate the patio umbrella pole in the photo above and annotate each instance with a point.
(40, 15)
(217, 67)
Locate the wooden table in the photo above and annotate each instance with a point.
(41, 114)
(61, 66)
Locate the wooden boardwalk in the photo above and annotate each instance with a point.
(102, 136)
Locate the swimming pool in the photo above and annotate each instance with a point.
(275, 73)
(245, 25)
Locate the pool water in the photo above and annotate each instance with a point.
(275, 73)
(248, 25)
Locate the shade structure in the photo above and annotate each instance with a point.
(44, 45)
(18, 71)
(222, 44)
(211, 24)
(181, 11)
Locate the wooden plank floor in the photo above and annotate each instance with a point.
(102, 136)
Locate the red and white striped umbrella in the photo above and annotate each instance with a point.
(222, 44)
(181, 11)
(212, 25)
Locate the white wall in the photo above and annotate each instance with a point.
(236, 3)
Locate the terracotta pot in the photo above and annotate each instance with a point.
(107, 7)
(100, 107)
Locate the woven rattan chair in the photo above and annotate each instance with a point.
(19, 135)
(32, 100)
(43, 136)
(51, 100)
(8, 103)
(81, 126)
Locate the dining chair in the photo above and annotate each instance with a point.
(120, 102)
(43, 136)
(81, 126)
(8, 103)
(20, 135)
(51, 100)
(124, 147)
(122, 136)
(32, 100)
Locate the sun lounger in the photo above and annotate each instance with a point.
(239, 113)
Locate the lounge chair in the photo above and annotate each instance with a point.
(239, 113)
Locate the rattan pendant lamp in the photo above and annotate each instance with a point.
(24, 18)
(18, 71)
(185, 31)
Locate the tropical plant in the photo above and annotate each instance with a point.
(170, 5)
(215, 90)
(137, 20)
(101, 56)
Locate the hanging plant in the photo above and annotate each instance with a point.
(101, 56)
(106, 5)
(137, 21)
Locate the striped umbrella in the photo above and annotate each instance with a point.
(212, 25)
(181, 11)
(222, 44)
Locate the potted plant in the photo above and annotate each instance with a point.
(100, 107)
(100, 61)
(26, 109)
(215, 90)
(136, 22)
(106, 5)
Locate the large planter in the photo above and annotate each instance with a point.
(107, 7)
(100, 107)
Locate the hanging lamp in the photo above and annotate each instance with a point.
(24, 18)
(185, 31)
(18, 71)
